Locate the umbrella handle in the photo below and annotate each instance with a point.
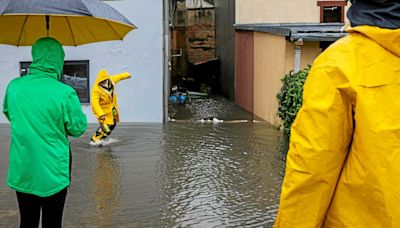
(47, 24)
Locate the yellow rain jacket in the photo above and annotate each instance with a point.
(104, 101)
(343, 165)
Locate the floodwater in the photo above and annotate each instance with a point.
(184, 173)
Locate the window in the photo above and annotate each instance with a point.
(24, 67)
(332, 14)
(179, 16)
(332, 11)
(75, 74)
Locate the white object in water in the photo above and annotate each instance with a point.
(105, 142)
(97, 143)
(109, 141)
(215, 120)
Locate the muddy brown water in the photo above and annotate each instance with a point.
(179, 174)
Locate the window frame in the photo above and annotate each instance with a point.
(323, 4)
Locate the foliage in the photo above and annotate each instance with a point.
(290, 97)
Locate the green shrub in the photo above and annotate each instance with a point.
(290, 97)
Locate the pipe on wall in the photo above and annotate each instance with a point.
(297, 54)
(166, 60)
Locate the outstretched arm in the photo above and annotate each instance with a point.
(118, 77)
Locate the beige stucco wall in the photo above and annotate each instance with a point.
(273, 58)
(269, 66)
(281, 11)
(272, 11)
(273, 54)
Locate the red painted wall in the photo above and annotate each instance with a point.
(244, 70)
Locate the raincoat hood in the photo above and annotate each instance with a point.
(381, 13)
(47, 58)
(101, 76)
(387, 38)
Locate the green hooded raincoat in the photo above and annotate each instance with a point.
(43, 112)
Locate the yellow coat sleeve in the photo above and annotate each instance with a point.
(118, 77)
(319, 143)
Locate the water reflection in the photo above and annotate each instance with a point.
(215, 107)
(105, 187)
(169, 175)
(213, 178)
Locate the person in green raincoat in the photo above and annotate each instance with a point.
(42, 112)
(343, 164)
(105, 104)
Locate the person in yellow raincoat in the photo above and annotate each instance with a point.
(343, 164)
(105, 105)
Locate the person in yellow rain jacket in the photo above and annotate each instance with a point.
(343, 164)
(105, 105)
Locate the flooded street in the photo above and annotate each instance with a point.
(179, 174)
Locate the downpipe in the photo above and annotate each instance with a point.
(166, 60)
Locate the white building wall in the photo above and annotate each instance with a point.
(141, 97)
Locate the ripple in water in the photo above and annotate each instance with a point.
(172, 175)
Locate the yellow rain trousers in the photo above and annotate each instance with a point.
(103, 101)
(343, 165)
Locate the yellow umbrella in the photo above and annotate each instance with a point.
(72, 22)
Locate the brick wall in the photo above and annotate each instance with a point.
(200, 34)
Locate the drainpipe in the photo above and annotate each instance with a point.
(297, 54)
(166, 60)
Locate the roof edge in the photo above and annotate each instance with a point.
(296, 31)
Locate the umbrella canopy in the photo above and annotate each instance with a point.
(72, 22)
